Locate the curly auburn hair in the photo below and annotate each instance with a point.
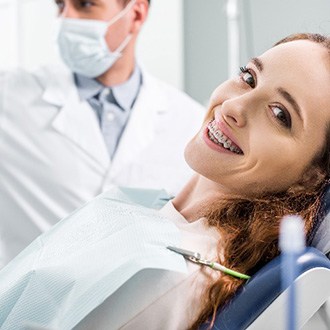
(250, 227)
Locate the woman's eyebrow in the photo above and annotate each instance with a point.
(258, 63)
(291, 100)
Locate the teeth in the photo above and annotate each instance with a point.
(218, 137)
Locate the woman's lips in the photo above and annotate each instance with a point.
(219, 140)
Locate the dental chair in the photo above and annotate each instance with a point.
(261, 303)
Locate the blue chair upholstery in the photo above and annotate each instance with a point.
(259, 292)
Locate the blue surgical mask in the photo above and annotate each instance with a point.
(83, 47)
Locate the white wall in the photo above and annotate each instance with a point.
(8, 34)
(37, 20)
(161, 42)
(27, 35)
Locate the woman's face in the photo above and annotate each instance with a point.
(264, 127)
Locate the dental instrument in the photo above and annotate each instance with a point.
(196, 258)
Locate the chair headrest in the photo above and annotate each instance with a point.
(320, 236)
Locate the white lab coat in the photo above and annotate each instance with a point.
(54, 158)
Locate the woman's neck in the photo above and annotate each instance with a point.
(196, 195)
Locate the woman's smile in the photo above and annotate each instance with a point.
(214, 135)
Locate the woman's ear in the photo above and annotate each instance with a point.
(312, 178)
(140, 13)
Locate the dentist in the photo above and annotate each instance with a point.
(69, 133)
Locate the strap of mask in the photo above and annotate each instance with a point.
(122, 13)
(123, 44)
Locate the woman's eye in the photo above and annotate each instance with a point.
(282, 116)
(247, 76)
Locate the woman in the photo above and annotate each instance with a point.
(262, 153)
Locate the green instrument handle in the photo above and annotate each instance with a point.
(215, 265)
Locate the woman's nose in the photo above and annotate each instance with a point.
(235, 111)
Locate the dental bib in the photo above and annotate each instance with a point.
(70, 270)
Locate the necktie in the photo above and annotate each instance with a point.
(112, 120)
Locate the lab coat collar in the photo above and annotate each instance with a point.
(57, 82)
(149, 106)
(75, 119)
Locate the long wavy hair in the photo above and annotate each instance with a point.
(250, 227)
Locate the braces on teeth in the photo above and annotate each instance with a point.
(219, 138)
